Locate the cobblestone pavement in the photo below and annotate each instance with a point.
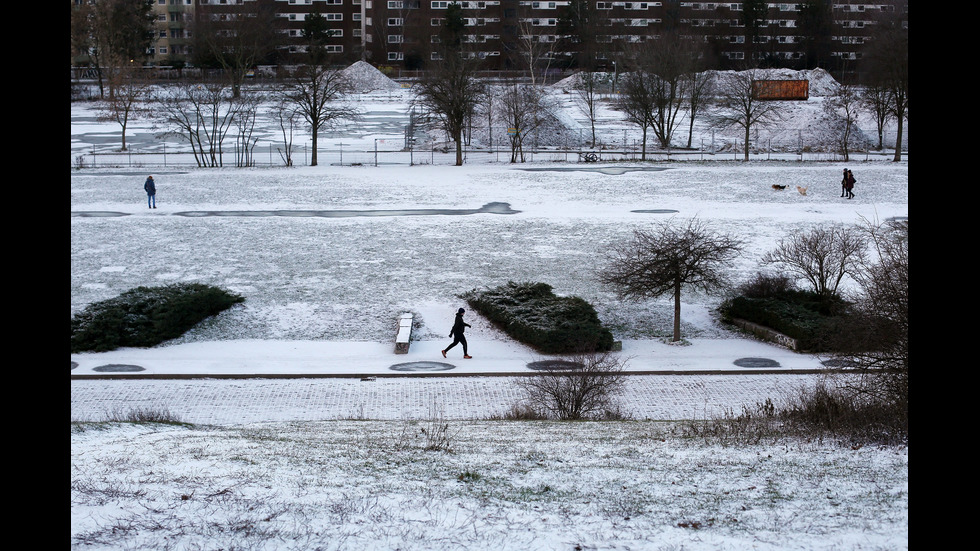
(224, 401)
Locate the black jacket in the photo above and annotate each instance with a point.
(459, 327)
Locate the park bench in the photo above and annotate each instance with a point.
(404, 335)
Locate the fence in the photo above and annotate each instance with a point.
(269, 155)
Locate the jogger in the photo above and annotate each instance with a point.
(459, 327)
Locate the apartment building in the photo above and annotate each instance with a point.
(174, 19)
(506, 33)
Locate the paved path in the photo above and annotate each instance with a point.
(224, 401)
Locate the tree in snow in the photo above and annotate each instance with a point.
(449, 91)
(822, 256)
(738, 106)
(668, 259)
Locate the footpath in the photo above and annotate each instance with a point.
(259, 381)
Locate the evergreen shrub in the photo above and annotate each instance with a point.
(531, 313)
(146, 316)
(809, 318)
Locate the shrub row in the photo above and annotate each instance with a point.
(803, 315)
(531, 313)
(146, 316)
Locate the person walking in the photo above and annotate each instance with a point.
(843, 184)
(849, 179)
(459, 327)
(151, 192)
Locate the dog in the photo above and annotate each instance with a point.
(802, 190)
(777, 186)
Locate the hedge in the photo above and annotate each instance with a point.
(146, 316)
(531, 313)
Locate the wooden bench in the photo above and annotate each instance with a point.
(404, 336)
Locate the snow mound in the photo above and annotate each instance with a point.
(367, 78)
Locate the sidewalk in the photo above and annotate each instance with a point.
(373, 359)
(254, 382)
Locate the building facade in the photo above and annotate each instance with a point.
(514, 34)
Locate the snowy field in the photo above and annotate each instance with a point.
(374, 486)
(333, 254)
(348, 278)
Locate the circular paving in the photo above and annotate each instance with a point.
(839, 363)
(422, 366)
(756, 362)
(555, 365)
(118, 368)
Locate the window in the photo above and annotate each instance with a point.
(395, 5)
(396, 56)
(395, 21)
(334, 16)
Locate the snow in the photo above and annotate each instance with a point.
(324, 295)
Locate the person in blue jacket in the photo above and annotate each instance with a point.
(151, 192)
(459, 327)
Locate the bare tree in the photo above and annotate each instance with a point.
(670, 258)
(319, 94)
(119, 35)
(843, 106)
(287, 116)
(699, 85)
(587, 92)
(887, 60)
(638, 102)
(523, 109)
(822, 256)
(875, 99)
(536, 50)
(450, 91)
(738, 106)
(126, 103)
(246, 112)
(576, 387)
(202, 114)
(879, 337)
(666, 62)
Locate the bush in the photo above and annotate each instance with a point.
(581, 387)
(766, 285)
(146, 316)
(532, 314)
(813, 320)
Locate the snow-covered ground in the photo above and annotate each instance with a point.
(347, 279)
(328, 257)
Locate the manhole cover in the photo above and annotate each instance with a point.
(97, 214)
(839, 363)
(756, 362)
(118, 368)
(554, 365)
(422, 366)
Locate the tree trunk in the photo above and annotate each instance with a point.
(677, 312)
(313, 154)
(747, 135)
(898, 141)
